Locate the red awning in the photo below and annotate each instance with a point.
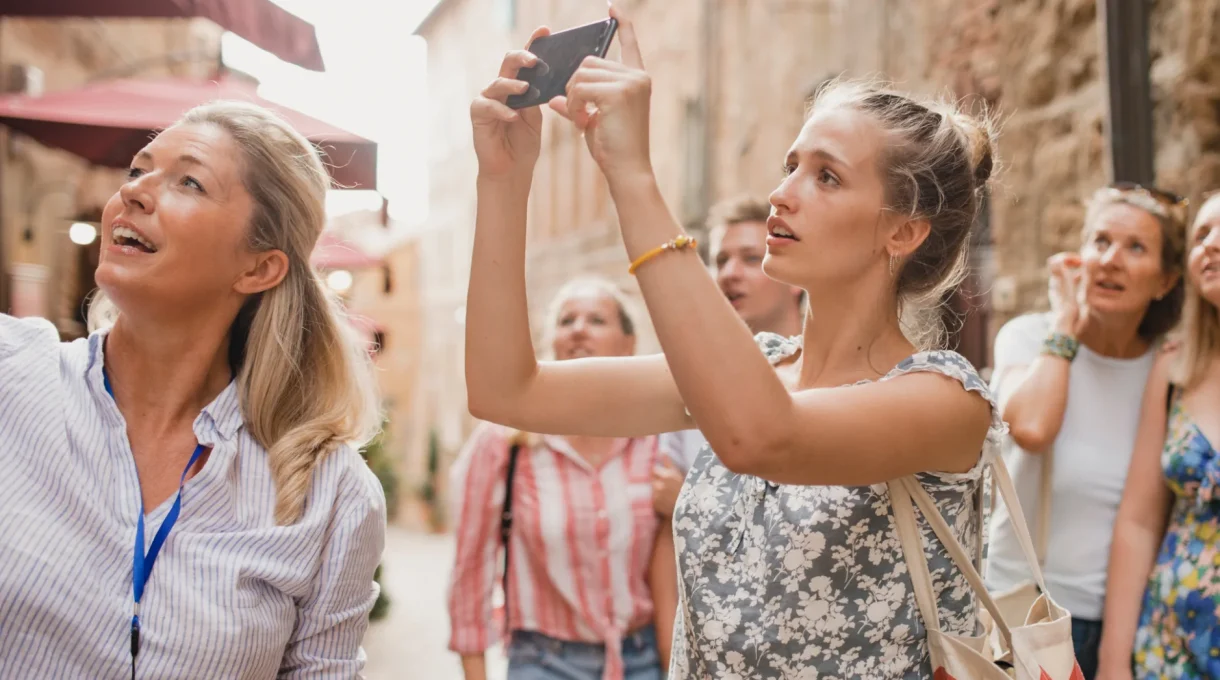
(108, 122)
(262, 22)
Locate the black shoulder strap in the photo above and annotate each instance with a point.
(1169, 399)
(506, 514)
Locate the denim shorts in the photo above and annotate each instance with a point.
(534, 656)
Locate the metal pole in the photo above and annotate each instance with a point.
(1129, 117)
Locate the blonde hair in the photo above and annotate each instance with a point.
(306, 384)
(1199, 331)
(583, 285)
(1162, 314)
(936, 164)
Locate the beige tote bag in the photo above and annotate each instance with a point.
(1035, 646)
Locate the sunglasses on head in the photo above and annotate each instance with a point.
(1166, 197)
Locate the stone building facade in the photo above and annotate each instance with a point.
(731, 80)
(43, 189)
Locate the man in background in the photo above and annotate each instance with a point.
(737, 239)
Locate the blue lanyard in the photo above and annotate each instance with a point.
(142, 564)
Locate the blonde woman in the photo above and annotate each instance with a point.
(208, 428)
(1163, 598)
(789, 563)
(583, 545)
(1071, 381)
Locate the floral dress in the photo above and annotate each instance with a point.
(1178, 635)
(803, 582)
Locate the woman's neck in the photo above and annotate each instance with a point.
(1116, 337)
(841, 345)
(163, 375)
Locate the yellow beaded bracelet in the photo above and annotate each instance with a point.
(678, 243)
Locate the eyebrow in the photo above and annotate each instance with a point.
(184, 158)
(825, 155)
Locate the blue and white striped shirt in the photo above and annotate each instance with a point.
(233, 595)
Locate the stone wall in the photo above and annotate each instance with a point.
(1185, 46)
(1052, 100)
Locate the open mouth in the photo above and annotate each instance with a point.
(579, 353)
(1111, 286)
(1211, 267)
(734, 297)
(777, 229)
(129, 238)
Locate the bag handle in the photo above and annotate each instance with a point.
(1042, 521)
(904, 489)
(912, 550)
(917, 563)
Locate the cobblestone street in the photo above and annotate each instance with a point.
(410, 644)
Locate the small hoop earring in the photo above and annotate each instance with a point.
(892, 259)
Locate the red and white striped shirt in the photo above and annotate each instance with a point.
(582, 540)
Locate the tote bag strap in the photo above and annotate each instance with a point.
(1042, 520)
(1008, 492)
(907, 489)
(912, 552)
(1042, 523)
(917, 563)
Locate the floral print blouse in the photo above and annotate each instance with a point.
(803, 582)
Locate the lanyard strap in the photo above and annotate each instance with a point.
(142, 563)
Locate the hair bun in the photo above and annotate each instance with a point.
(978, 135)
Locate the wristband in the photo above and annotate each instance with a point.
(1061, 345)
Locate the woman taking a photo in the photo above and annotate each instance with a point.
(580, 598)
(1071, 383)
(208, 427)
(788, 560)
(1164, 591)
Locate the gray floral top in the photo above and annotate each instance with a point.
(803, 582)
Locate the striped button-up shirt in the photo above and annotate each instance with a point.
(233, 595)
(581, 543)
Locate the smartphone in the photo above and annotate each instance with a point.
(559, 55)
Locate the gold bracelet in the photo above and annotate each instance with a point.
(678, 243)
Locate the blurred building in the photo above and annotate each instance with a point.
(42, 190)
(374, 265)
(731, 79)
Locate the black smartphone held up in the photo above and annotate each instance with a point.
(559, 55)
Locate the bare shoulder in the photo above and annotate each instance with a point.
(1167, 357)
